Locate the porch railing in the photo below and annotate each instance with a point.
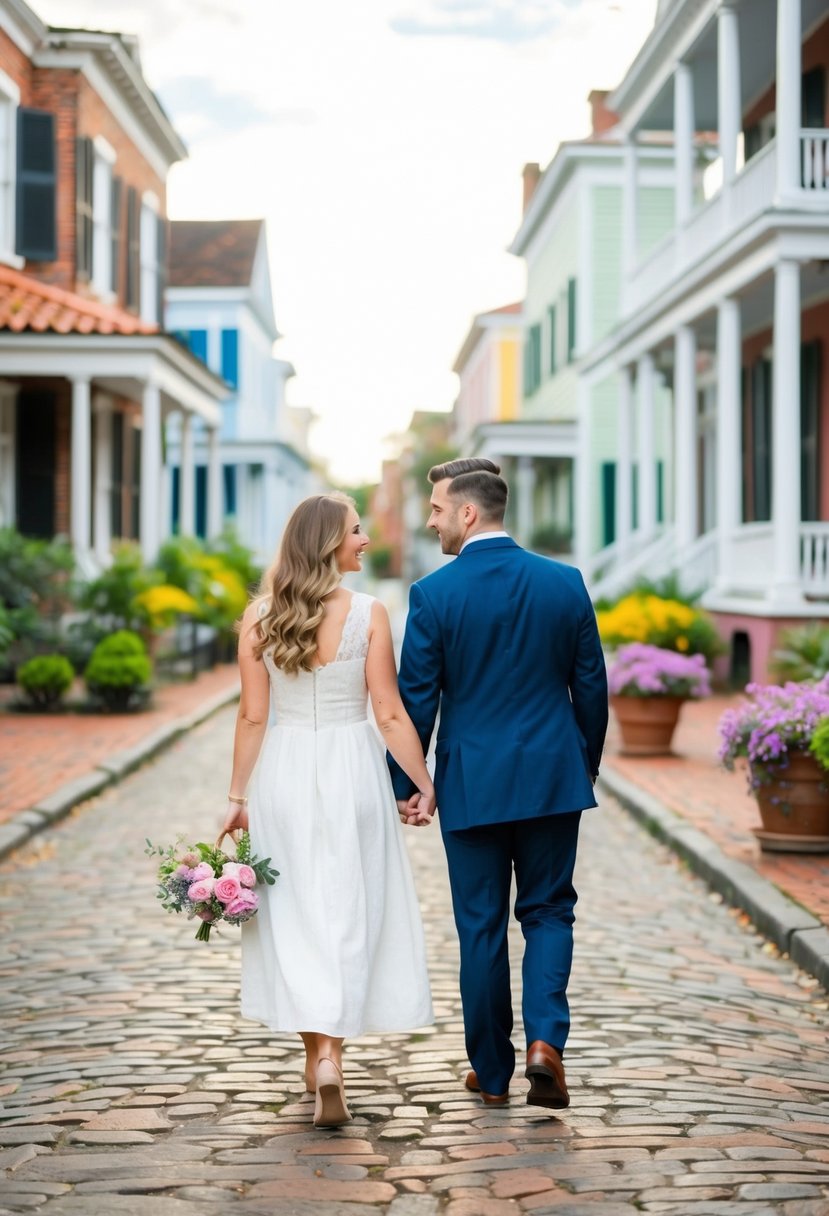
(814, 558)
(814, 144)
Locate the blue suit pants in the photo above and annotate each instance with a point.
(481, 860)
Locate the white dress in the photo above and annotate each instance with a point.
(337, 944)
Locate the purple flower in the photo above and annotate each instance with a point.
(640, 670)
(774, 720)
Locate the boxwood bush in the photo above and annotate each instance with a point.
(45, 679)
(119, 670)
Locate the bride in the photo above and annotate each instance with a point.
(336, 948)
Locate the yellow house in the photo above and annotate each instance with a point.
(488, 367)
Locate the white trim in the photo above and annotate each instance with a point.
(9, 103)
(150, 200)
(156, 156)
(584, 273)
(104, 149)
(26, 40)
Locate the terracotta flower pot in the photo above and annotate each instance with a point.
(647, 724)
(794, 809)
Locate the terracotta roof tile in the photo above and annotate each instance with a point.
(28, 305)
(213, 253)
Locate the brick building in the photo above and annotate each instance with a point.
(87, 377)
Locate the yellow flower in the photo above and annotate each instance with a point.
(164, 602)
(682, 643)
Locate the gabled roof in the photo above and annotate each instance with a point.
(483, 321)
(213, 253)
(28, 304)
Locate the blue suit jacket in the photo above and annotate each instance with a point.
(505, 643)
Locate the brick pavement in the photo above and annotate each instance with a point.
(694, 785)
(41, 752)
(698, 1062)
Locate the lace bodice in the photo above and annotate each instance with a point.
(334, 694)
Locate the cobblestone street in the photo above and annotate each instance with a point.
(698, 1063)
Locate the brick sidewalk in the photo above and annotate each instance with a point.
(39, 753)
(693, 784)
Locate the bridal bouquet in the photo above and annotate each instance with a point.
(204, 882)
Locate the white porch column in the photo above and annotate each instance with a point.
(584, 471)
(785, 432)
(102, 515)
(8, 437)
(524, 486)
(186, 478)
(150, 512)
(630, 236)
(683, 143)
(81, 472)
(646, 380)
(729, 430)
(729, 104)
(788, 98)
(214, 483)
(685, 436)
(624, 460)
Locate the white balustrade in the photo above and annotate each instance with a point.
(814, 145)
(814, 558)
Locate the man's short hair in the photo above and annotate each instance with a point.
(475, 479)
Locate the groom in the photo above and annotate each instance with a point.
(505, 644)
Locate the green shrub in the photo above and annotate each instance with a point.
(118, 670)
(35, 590)
(803, 653)
(111, 597)
(236, 557)
(45, 679)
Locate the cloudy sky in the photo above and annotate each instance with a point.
(383, 141)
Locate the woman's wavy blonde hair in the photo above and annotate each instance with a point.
(302, 575)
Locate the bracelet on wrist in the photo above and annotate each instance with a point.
(235, 798)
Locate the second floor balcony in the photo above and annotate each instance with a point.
(744, 94)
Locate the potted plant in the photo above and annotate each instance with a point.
(648, 686)
(781, 731)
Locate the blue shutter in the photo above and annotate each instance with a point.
(230, 356)
(552, 312)
(175, 495)
(608, 502)
(197, 341)
(201, 500)
(36, 185)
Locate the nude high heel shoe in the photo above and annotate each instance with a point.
(330, 1109)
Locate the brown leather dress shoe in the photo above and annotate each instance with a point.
(471, 1083)
(545, 1073)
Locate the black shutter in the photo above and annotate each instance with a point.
(608, 502)
(761, 407)
(36, 185)
(115, 234)
(36, 444)
(161, 269)
(133, 293)
(84, 167)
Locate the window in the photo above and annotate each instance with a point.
(149, 258)
(36, 185)
(551, 312)
(9, 100)
(759, 446)
(230, 356)
(116, 235)
(571, 320)
(102, 217)
(229, 472)
(810, 431)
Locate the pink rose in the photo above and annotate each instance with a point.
(242, 873)
(203, 870)
(226, 889)
(201, 890)
(246, 902)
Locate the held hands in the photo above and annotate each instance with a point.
(418, 810)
